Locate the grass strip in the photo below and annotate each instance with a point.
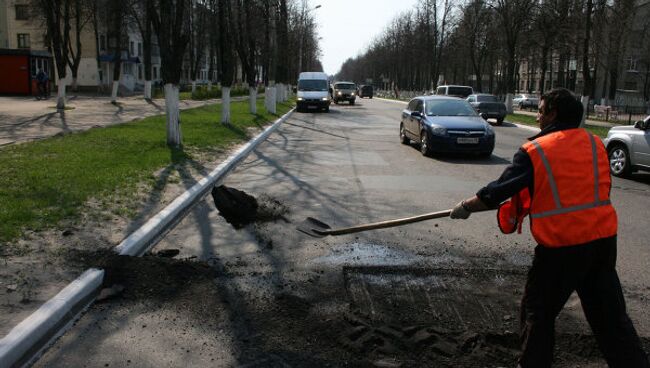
(46, 181)
(600, 131)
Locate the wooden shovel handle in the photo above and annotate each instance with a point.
(384, 224)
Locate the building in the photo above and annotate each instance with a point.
(20, 30)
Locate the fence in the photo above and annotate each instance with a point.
(617, 114)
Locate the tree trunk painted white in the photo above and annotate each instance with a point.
(585, 106)
(509, 103)
(60, 95)
(225, 105)
(174, 136)
(252, 99)
(193, 86)
(116, 85)
(147, 90)
(209, 86)
(74, 84)
(278, 92)
(270, 95)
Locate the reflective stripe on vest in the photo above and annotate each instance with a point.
(556, 195)
(584, 219)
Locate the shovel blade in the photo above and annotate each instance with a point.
(314, 227)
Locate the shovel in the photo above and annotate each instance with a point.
(319, 229)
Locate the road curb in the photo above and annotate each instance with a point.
(25, 343)
(148, 234)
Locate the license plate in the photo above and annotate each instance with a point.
(464, 140)
(312, 107)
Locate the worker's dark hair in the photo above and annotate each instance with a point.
(568, 108)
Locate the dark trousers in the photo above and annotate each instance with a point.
(589, 269)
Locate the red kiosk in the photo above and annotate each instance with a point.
(18, 69)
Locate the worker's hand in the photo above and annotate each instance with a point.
(460, 211)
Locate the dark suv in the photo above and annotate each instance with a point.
(344, 91)
(365, 91)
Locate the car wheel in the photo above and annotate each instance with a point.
(521, 106)
(327, 109)
(402, 135)
(619, 161)
(425, 149)
(370, 97)
(351, 102)
(485, 154)
(500, 121)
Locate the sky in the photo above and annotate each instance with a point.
(347, 27)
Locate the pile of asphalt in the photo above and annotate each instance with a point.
(239, 208)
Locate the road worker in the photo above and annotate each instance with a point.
(560, 179)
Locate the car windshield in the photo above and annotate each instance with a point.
(449, 108)
(366, 88)
(459, 91)
(345, 86)
(312, 85)
(486, 98)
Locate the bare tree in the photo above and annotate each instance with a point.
(226, 58)
(169, 19)
(514, 17)
(246, 44)
(80, 13)
(56, 16)
(140, 11)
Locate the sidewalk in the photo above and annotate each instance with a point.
(24, 118)
(588, 121)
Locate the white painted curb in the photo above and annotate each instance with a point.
(389, 100)
(148, 234)
(24, 343)
(27, 341)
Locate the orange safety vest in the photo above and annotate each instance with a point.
(570, 204)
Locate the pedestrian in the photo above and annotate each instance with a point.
(560, 179)
(41, 83)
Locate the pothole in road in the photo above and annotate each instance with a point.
(407, 315)
(368, 254)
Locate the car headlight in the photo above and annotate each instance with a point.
(352, 94)
(438, 130)
(340, 93)
(324, 99)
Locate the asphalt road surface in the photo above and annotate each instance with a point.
(436, 293)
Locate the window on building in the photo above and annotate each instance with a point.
(102, 43)
(139, 48)
(132, 48)
(127, 68)
(155, 72)
(140, 71)
(23, 41)
(22, 12)
(631, 64)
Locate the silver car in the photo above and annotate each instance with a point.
(525, 100)
(628, 148)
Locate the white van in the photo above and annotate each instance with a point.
(457, 91)
(313, 92)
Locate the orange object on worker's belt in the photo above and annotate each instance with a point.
(570, 203)
(510, 215)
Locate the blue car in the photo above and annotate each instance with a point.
(444, 125)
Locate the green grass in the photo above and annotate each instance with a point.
(47, 181)
(202, 93)
(530, 120)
